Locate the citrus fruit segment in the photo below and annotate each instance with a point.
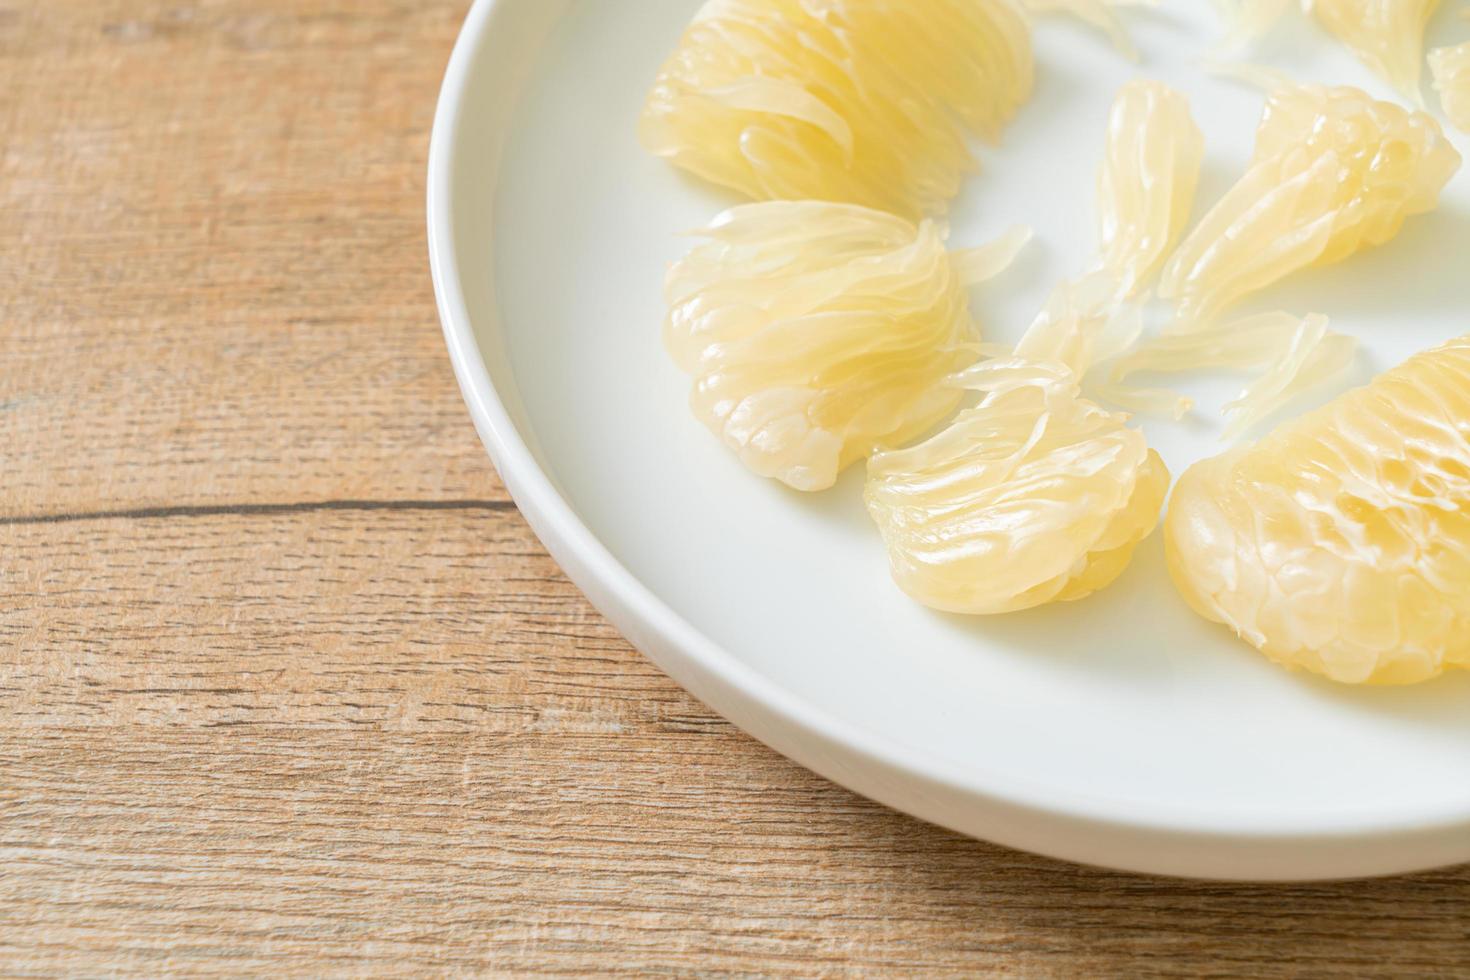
(1334, 171)
(1340, 543)
(817, 332)
(1147, 183)
(1386, 35)
(1033, 496)
(1451, 70)
(861, 101)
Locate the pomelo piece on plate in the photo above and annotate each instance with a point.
(1386, 35)
(1033, 496)
(819, 332)
(1334, 171)
(861, 101)
(1340, 543)
(1146, 186)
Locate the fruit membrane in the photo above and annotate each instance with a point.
(1035, 495)
(1450, 67)
(860, 101)
(1295, 355)
(1340, 543)
(1334, 171)
(818, 332)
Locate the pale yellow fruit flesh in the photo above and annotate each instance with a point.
(1386, 35)
(1145, 190)
(816, 333)
(1035, 495)
(1340, 543)
(840, 100)
(1451, 70)
(1147, 182)
(1334, 171)
(1294, 355)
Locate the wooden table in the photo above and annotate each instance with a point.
(287, 686)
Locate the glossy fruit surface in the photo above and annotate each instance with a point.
(1147, 183)
(818, 332)
(862, 101)
(1334, 171)
(1033, 496)
(1386, 35)
(1340, 543)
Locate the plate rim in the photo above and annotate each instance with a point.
(1073, 827)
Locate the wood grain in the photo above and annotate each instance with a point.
(287, 686)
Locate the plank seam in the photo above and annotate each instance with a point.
(257, 510)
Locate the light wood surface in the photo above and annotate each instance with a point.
(286, 685)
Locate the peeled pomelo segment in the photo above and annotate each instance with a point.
(1334, 171)
(1100, 14)
(1033, 496)
(817, 332)
(1450, 67)
(1386, 35)
(1147, 183)
(840, 100)
(1340, 543)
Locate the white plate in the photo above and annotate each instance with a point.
(1120, 731)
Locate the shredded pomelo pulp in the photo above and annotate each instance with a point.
(818, 332)
(1294, 355)
(861, 101)
(1340, 543)
(1334, 171)
(1033, 496)
(1145, 190)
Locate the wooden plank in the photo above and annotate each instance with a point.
(213, 273)
(416, 618)
(332, 851)
(385, 740)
